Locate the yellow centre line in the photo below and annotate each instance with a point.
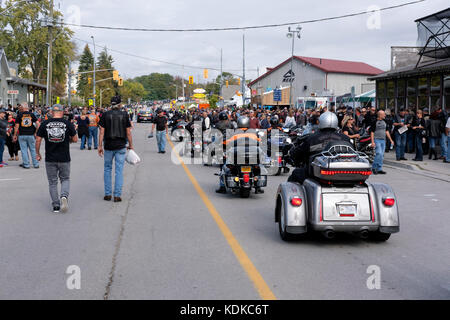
(253, 273)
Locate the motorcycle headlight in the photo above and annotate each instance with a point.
(286, 130)
(288, 140)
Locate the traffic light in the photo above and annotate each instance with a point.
(116, 75)
(191, 80)
(120, 82)
(226, 83)
(89, 80)
(239, 81)
(74, 92)
(79, 77)
(205, 73)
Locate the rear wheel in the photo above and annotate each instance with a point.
(244, 193)
(285, 236)
(379, 236)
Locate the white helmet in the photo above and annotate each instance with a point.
(328, 120)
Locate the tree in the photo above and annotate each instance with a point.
(105, 61)
(86, 64)
(132, 90)
(213, 99)
(25, 41)
(158, 86)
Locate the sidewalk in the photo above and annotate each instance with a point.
(432, 168)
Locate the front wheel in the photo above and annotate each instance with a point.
(244, 193)
(379, 236)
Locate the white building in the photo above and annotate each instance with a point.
(312, 76)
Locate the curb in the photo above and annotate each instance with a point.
(400, 165)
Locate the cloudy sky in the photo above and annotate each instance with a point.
(346, 39)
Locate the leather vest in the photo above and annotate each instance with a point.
(115, 124)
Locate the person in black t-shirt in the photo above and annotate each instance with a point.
(24, 131)
(115, 130)
(162, 129)
(58, 133)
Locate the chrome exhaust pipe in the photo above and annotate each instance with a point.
(364, 234)
(329, 234)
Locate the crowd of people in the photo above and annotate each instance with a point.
(109, 132)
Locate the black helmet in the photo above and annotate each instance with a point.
(223, 116)
(274, 121)
(243, 122)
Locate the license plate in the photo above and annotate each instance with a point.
(347, 210)
(246, 169)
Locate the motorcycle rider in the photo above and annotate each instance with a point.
(243, 124)
(224, 123)
(314, 144)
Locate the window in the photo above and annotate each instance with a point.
(423, 102)
(381, 89)
(435, 103)
(412, 102)
(412, 87)
(401, 86)
(423, 86)
(447, 84)
(401, 103)
(447, 103)
(381, 104)
(390, 89)
(436, 85)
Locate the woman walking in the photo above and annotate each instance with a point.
(418, 126)
(13, 147)
(434, 133)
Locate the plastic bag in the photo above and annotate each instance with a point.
(132, 157)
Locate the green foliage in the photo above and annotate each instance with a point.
(133, 90)
(86, 64)
(105, 61)
(25, 41)
(158, 86)
(213, 99)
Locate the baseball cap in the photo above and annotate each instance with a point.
(57, 107)
(2, 111)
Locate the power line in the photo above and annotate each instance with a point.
(239, 28)
(159, 61)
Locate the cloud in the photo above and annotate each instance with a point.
(346, 39)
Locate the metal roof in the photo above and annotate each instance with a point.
(329, 65)
(27, 82)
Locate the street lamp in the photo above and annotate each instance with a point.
(93, 41)
(292, 33)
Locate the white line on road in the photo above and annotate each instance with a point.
(15, 179)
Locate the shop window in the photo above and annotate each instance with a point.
(381, 104)
(423, 102)
(412, 87)
(423, 86)
(401, 103)
(401, 86)
(447, 84)
(412, 102)
(391, 103)
(390, 89)
(435, 103)
(435, 85)
(447, 103)
(381, 89)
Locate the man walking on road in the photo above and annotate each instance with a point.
(161, 130)
(93, 129)
(115, 130)
(3, 134)
(58, 133)
(24, 131)
(378, 133)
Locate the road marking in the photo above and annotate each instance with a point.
(16, 179)
(253, 273)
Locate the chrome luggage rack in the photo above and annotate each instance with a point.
(342, 151)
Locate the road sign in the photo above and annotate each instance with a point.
(13, 91)
(58, 100)
(276, 95)
(91, 102)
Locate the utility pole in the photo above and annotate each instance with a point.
(243, 68)
(69, 102)
(93, 94)
(292, 34)
(182, 78)
(221, 78)
(50, 56)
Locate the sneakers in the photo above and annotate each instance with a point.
(56, 209)
(381, 172)
(23, 166)
(64, 204)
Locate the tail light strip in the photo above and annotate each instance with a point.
(333, 172)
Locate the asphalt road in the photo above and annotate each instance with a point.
(173, 237)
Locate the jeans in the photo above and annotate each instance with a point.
(161, 140)
(57, 170)
(448, 146)
(419, 151)
(444, 147)
(93, 133)
(83, 142)
(410, 141)
(28, 142)
(400, 144)
(433, 141)
(119, 156)
(380, 146)
(2, 148)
